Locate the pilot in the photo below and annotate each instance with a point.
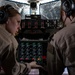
(9, 25)
(61, 48)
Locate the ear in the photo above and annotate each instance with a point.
(63, 15)
(63, 12)
(7, 21)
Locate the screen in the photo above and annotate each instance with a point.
(50, 10)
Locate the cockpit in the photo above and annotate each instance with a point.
(40, 20)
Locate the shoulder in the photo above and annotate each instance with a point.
(7, 38)
(65, 32)
(59, 35)
(63, 35)
(4, 37)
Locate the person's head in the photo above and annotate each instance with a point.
(10, 18)
(67, 11)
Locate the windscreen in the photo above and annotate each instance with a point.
(23, 8)
(50, 10)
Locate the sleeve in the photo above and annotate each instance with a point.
(10, 64)
(55, 65)
(69, 53)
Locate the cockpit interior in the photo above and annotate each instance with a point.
(40, 19)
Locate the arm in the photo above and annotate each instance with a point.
(9, 63)
(55, 65)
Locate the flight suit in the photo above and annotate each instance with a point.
(61, 51)
(8, 46)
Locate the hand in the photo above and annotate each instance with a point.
(34, 65)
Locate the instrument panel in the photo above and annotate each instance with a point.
(33, 51)
(39, 24)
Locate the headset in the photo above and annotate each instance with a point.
(68, 6)
(4, 14)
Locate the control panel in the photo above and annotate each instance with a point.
(33, 51)
(39, 24)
